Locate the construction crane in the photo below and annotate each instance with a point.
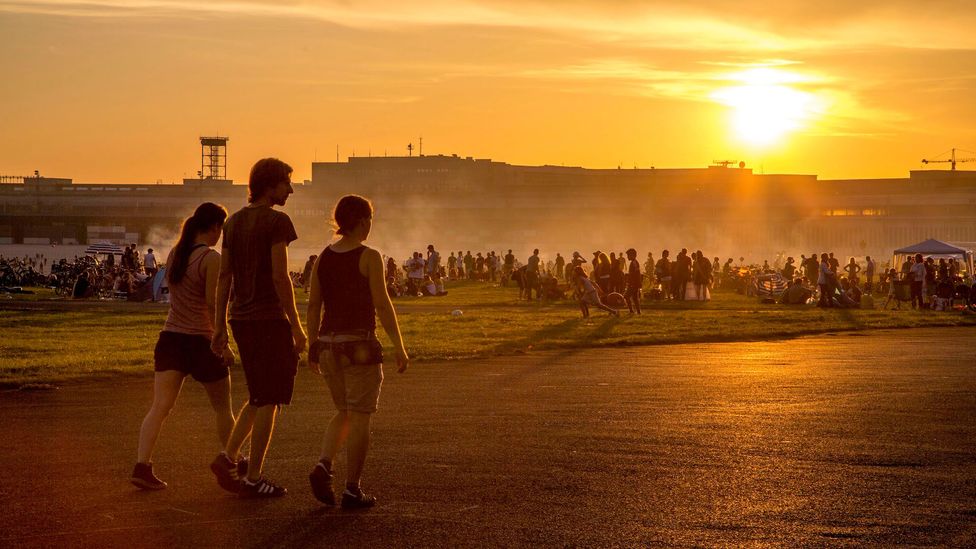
(952, 160)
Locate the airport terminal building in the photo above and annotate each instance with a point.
(479, 204)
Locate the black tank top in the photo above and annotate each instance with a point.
(345, 293)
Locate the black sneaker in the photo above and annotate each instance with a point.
(226, 472)
(143, 477)
(263, 488)
(242, 467)
(357, 501)
(321, 481)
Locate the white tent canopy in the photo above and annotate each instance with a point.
(937, 248)
(933, 247)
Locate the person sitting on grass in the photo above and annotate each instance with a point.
(840, 296)
(550, 287)
(589, 294)
(438, 280)
(433, 285)
(393, 288)
(183, 347)
(851, 290)
(796, 293)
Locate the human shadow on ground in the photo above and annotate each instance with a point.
(526, 343)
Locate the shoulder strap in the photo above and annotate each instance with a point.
(200, 259)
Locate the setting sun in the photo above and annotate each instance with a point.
(765, 108)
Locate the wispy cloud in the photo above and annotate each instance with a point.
(644, 79)
(667, 25)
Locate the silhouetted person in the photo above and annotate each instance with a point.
(348, 293)
(532, 276)
(307, 272)
(183, 347)
(681, 274)
(824, 282)
(869, 269)
(663, 272)
(269, 335)
(634, 283)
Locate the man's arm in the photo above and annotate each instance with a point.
(286, 292)
(225, 277)
(313, 317)
(211, 271)
(384, 307)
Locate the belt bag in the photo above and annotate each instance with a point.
(358, 348)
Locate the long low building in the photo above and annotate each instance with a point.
(475, 204)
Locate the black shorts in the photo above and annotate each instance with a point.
(269, 359)
(189, 354)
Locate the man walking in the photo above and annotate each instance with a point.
(263, 317)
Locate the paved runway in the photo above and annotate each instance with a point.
(850, 439)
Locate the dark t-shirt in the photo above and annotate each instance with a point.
(249, 235)
(634, 278)
(663, 267)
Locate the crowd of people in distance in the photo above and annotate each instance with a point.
(130, 278)
(616, 280)
(923, 282)
(85, 276)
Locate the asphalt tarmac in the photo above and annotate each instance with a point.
(854, 439)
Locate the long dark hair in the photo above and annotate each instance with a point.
(204, 218)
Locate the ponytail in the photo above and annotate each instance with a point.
(206, 216)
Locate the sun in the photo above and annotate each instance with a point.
(765, 107)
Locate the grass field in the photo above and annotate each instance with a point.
(46, 340)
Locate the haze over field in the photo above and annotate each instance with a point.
(119, 90)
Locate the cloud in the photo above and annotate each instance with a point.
(710, 25)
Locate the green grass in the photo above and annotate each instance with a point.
(49, 340)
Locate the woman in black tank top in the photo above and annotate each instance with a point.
(348, 292)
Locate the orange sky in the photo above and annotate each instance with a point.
(120, 90)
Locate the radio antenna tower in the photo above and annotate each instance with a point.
(213, 157)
